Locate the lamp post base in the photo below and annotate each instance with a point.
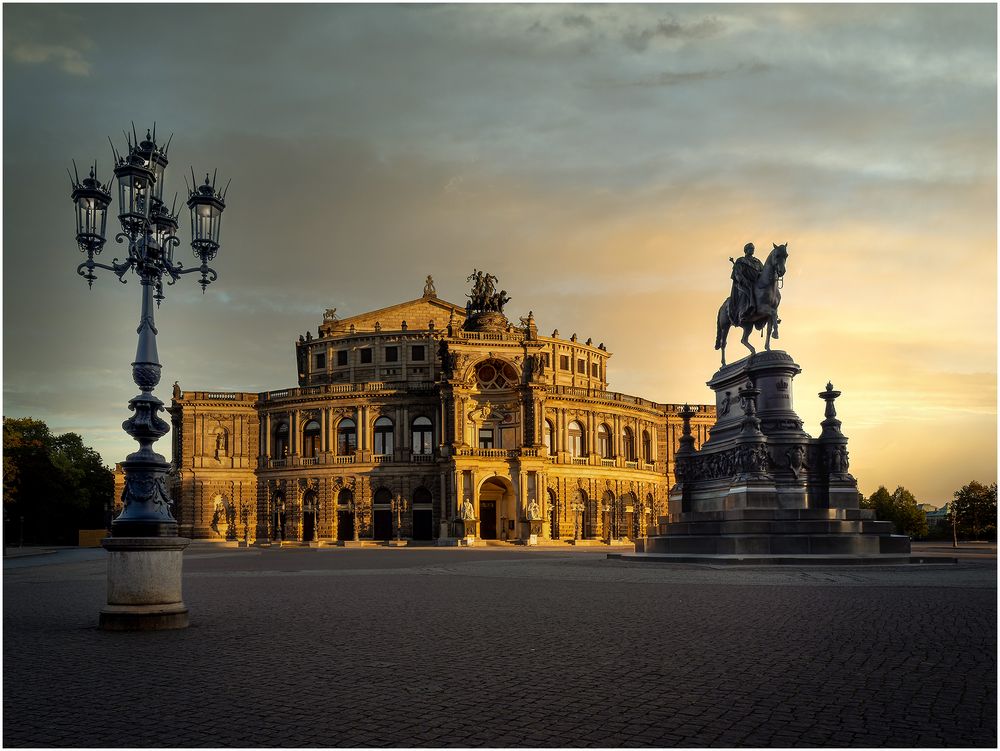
(144, 584)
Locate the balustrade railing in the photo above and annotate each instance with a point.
(422, 458)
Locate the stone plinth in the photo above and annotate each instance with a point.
(760, 485)
(144, 584)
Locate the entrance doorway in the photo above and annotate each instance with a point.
(487, 519)
(423, 524)
(345, 525)
(382, 522)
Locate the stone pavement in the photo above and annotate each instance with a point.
(497, 647)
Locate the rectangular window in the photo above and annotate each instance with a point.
(417, 352)
(564, 362)
(321, 361)
(366, 356)
(581, 366)
(342, 357)
(485, 438)
(595, 370)
(392, 354)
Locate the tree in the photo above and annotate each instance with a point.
(973, 512)
(900, 508)
(55, 483)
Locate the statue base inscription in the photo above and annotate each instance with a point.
(760, 486)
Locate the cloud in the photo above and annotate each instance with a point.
(67, 59)
(639, 39)
(678, 77)
(47, 36)
(579, 20)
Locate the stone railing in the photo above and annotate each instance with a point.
(422, 458)
(607, 462)
(381, 458)
(579, 460)
(367, 387)
(348, 459)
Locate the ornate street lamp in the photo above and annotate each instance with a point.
(398, 506)
(149, 230)
(577, 507)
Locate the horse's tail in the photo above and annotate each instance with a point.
(721, 324)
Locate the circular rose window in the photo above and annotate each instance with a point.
(494, 374)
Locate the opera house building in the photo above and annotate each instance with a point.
(412, 418)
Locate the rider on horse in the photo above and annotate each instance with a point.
(745, 273)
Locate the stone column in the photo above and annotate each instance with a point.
(323, 422)
(293, 433)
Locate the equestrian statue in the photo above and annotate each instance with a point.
(753, 302)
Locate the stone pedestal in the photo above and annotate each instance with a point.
(760, 486)
(144, 584)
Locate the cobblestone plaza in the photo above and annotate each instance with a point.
(501, 647)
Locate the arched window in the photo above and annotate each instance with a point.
(577, 444)
(495, 374)
(310, 439)
(423, 436)
(383, 436)
(347, 437)
(647, 447)
(628, 444)
(281, 441)
(604, 441)
(547, 437)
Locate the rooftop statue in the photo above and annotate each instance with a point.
(484, 297)
(753, 302)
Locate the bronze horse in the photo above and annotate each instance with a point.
(767, 297)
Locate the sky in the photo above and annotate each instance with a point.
(603, 161)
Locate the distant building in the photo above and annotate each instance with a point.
(420, 406)
(935, 515)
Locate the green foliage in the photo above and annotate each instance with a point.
(900, 508)
(56, 483)
(974, 511)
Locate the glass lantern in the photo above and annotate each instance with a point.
(92, 200)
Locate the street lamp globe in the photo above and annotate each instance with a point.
(92, 200)
(135, 184)
(206, 207)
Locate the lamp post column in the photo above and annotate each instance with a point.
(145, 553)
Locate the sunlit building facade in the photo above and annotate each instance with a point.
(403, 413)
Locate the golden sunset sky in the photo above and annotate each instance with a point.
(604, 161)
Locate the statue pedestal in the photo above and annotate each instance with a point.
(144, 584)
(534, 530)
(762, 487)
(467, 528)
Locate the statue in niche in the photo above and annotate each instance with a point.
(468, 513)
(534, 513)
(221, 443)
